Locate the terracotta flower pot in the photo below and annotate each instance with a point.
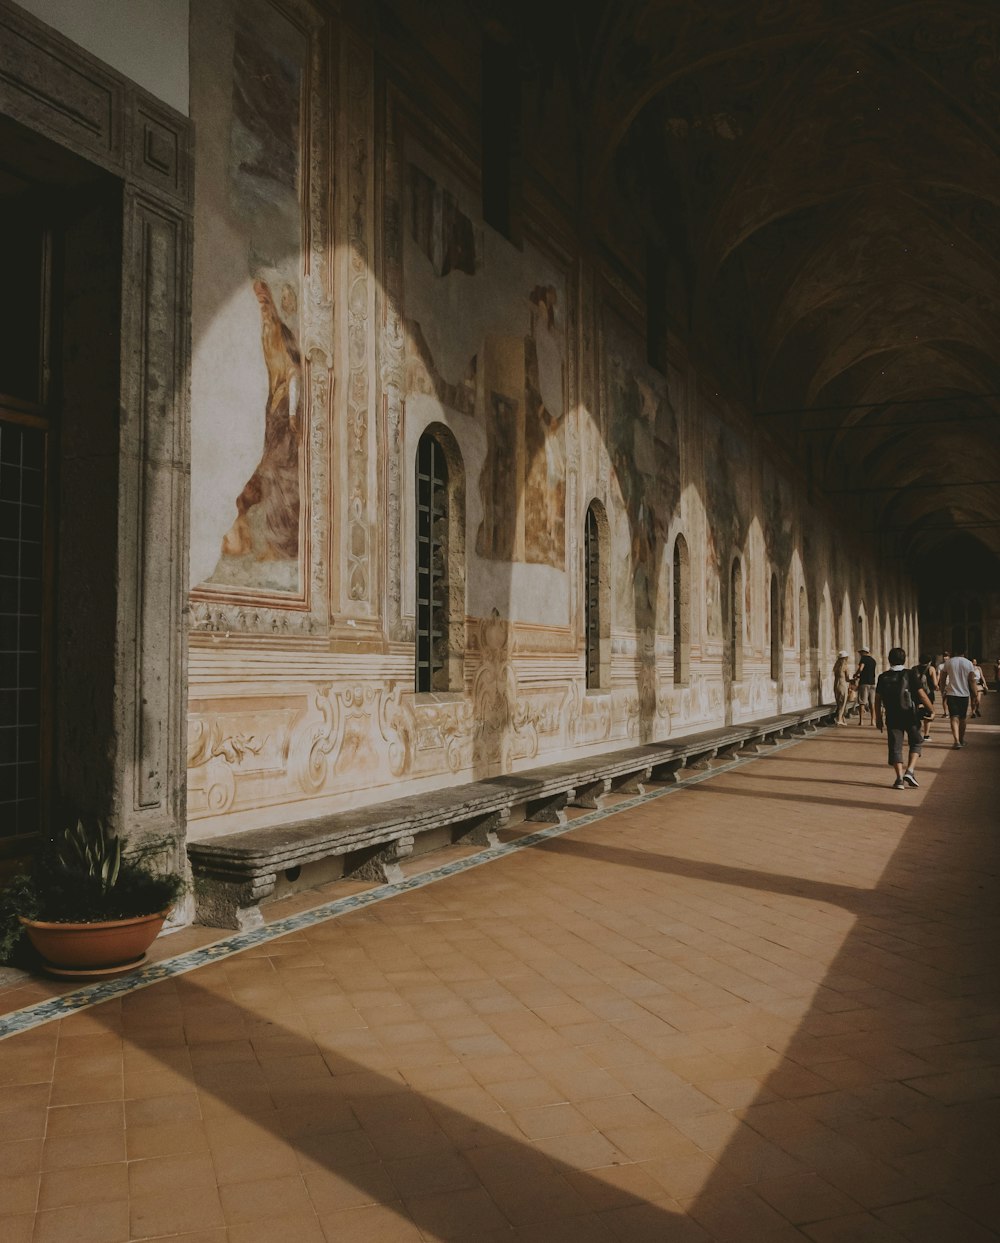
(99, 948)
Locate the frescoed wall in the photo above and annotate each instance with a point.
(249, 461)
(644, 447)
(349, 296)
(485, 328)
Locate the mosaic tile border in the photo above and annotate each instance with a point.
(88, 995)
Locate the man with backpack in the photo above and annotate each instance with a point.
(897, 695)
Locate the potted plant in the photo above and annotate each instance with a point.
(88, 906)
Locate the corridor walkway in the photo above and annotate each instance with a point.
(761, 1008)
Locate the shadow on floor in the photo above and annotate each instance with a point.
(881, 1119)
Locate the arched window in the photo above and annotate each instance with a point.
(775, 630)
(736, 620)
(682, 613)
(440, 563)
(596, 599)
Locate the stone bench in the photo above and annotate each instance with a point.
(235, 873)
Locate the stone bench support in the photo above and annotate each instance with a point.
(236, 873)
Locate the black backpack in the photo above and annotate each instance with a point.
(902, 700)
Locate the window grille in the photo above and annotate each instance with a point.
(592, 599)
(681, 613)
(22, 568)
(776, 636)
(432, 567)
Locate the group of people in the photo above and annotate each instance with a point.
(901, 700)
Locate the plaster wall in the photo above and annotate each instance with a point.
(393, 307)
(146, 40)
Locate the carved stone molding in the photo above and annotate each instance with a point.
(392, 363)
(505, 728)
(356, 428)
(56, 89)
(53, 86)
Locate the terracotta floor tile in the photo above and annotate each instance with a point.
(738, 1215)
(88, 1089)
(581, 1150)
(158, 1175)
(217, 1235)
(165, 1140)
(545, 1120)
(71, 1152)
(613, 1186)
(687, 1173)
(644, 1143)
(72, 1121)
(853, 1228)
(304, 1228)
(463, 1214)
(93, 1223)
(775, 1013)
(196, 1209)
(160, 1110)
(19, 1193)
(265, 1197)
(374, 1224)
(243, 1163)
(94, 1184)
(653, 1223)
(17, 1229)
(21, 1156)
(805, 1198)
(334, 1189)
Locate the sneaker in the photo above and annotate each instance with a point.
(899, 784)
(910, 780)
(957, 746)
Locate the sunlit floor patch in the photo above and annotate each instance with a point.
(93, 994)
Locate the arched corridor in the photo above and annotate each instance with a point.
(446, 450)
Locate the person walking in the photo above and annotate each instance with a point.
(865, 677)
(926, 672)
(961, 693)
(898, 694)
(942, 686)
(981, 686)
(840, 686)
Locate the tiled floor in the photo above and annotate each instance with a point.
(764, 1008)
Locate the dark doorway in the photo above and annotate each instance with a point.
(59, 391)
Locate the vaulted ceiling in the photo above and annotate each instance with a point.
(824, 177)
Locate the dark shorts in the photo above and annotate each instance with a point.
(910, 735)
(958, 705)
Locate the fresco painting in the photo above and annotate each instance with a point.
(261, 550)
(511, 379)
(727, 505)
(645, 457)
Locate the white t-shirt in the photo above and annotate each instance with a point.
(958, 670)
